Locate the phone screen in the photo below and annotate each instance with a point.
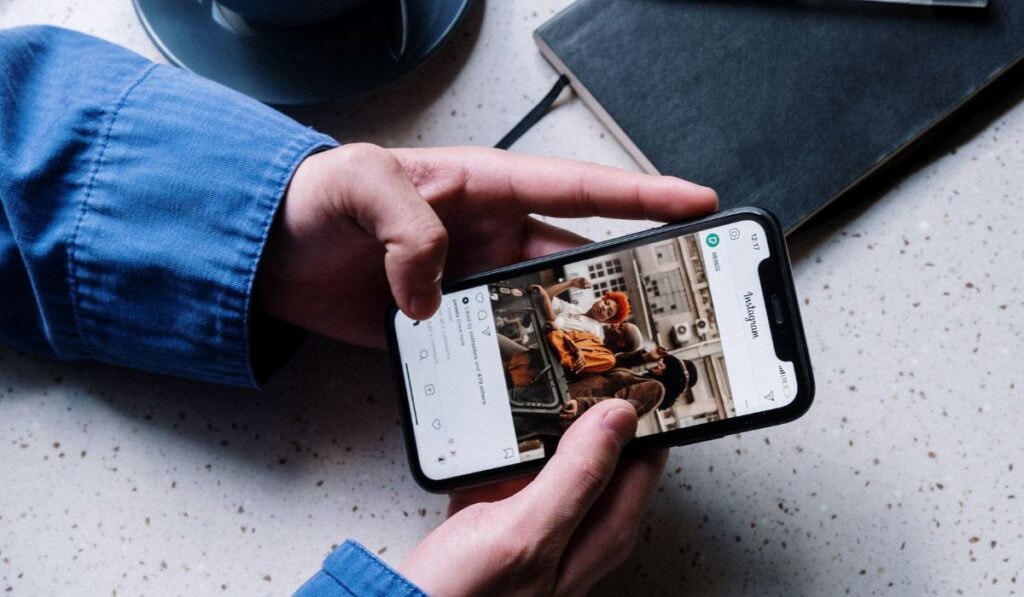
(678, 326)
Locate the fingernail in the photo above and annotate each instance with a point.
(423, 303)
(622, 423)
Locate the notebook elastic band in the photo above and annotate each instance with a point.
(535, 114)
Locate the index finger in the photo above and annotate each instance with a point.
(567, 188)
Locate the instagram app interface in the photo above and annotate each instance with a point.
(456, 387)
(680, 325)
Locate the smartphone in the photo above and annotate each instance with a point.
(697, 324)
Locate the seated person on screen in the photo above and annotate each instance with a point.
(613, 307)
(678, 377)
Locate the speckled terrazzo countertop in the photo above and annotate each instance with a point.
(906, 477)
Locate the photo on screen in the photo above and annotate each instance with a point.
(637, 324)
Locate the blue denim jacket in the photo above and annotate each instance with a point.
(136, 199)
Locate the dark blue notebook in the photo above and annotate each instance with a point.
(783, 104)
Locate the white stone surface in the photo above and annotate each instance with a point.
(906, 477)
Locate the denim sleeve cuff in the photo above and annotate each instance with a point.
(172, 222)
(352, 570)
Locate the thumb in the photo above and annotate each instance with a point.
(387, 205)
(576, 476)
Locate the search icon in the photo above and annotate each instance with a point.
(424, 354)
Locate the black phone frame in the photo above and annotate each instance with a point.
(775, 271)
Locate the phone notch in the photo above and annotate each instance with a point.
(773, 287)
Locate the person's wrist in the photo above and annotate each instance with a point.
(295, 227)
(296, 202)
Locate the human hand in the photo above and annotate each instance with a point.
(579, 362)
(570, 409)
(580, 282)
(557, 534)
(656, 354)
(359, 217)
